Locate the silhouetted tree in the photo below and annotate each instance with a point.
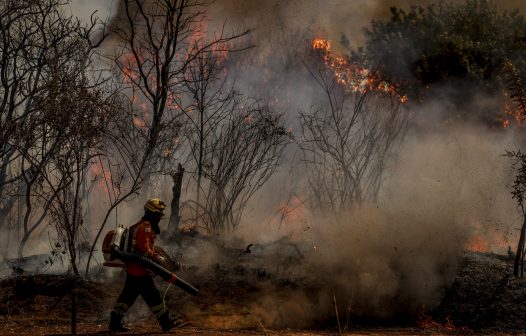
(518, 193)
(43, 51)
(350, 137)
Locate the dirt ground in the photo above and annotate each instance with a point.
(146, 328)
(29, 325)
(193, 331)
(482, 298)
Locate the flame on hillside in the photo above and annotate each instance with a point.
(512, 116)
(426, 322)
(293, 211)
(495, 242)
(477, 244)
(354, 77)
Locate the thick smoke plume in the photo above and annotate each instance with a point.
(393, 258)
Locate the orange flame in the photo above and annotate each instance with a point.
(129, 72)
(354, 77)
(512, 116)
(101, 176)
(291, 217)
(425, 321)
(293, 211)
(477, 244)
(488, 242)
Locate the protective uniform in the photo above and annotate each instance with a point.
(139, 280)
(142, 242)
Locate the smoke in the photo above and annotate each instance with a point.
(337, 20)
(389, 260)
(83, 9)
(449, 183)
(383, 260)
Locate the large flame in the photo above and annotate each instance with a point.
(354, 77)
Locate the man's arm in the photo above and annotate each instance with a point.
(145, 241)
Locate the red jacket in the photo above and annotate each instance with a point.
(142, 242)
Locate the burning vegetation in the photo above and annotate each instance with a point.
(352, 76)
(312, 182)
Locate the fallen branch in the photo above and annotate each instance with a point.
(262, 326)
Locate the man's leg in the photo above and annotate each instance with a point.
(129, 294)
(152, 297)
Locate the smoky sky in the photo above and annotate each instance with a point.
(340, 14)
(330, 19)
(85, 8)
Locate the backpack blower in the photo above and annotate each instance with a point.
(115, 248)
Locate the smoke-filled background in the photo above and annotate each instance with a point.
(446, 190)
(332, 18)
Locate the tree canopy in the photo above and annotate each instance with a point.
(447, 42)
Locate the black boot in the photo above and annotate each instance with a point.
(116, 323)
(168, 323)
(165, 321)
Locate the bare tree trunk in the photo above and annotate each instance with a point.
(520, 249)
(27, 217)
(74, 306)
(8, 204)
(522, 264)
(176, 192)
(199, 163)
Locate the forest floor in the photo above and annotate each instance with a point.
(37, 327)
(484, 299)
(17, 327)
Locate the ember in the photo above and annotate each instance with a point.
(426, 322)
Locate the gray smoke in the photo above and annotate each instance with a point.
(394, 257)
(103, 9)
(448, 185)
(331, 19)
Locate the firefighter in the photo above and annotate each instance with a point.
(139, 280)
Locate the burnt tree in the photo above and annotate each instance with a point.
(518, 191)
(175, 219)
(351, 136)
(44, 56)
(156, 40)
